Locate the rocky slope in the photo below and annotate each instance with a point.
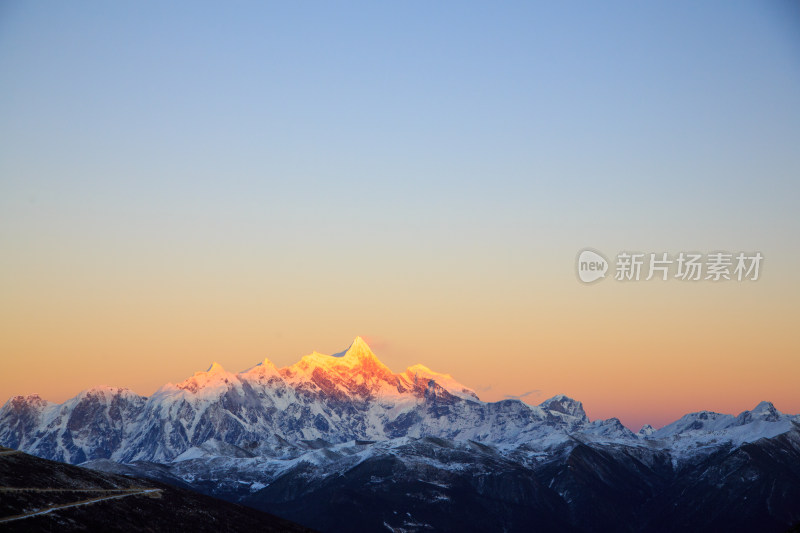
(41, 495)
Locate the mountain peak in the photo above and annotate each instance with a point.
(215, 368)
(764, 407)
(358, 348)
(356, 360)
(763, 411)
(566, 405)
(423, 373)
(267, 363)
(360, 343)
(264, 369)
(26, 402)
(646, 430)
(209, 380)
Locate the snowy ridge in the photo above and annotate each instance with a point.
(347, 397)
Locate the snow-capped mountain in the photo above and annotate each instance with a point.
(349, 396)
(285, 439)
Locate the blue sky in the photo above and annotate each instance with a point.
(596, 108)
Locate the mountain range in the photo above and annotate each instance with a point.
(341, 443)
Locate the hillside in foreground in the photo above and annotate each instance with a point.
(41, 495)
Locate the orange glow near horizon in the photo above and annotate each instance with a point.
(644, 353)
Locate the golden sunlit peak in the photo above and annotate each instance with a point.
(267, 363)
(265, 369)
(356, 355)
(359, 342)
(215, 368)
(423, 370)
(358, 347)
(423, 373)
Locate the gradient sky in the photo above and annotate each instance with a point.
(182, 183)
